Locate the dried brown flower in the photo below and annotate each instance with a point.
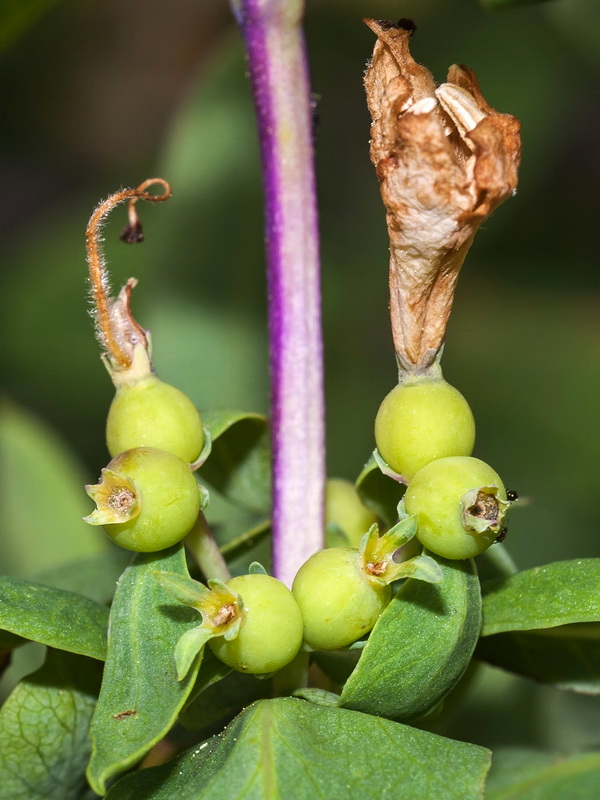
(445, 160)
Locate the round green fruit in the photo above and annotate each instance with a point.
(271, 631)
(460, 504)
(345, 511)
(147, 500)
(423, 421)
(150, 413)
(338, 601)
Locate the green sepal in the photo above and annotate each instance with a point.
(256, 568)
(420, 568)
(204, 497)
(186, 590)
(205, 452)
(187, 648)
(377, 555)
(386, 469)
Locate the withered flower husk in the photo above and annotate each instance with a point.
(445, 160)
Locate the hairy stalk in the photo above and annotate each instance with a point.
(279, 76)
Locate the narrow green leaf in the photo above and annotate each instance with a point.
(239, 465)
(44, 725)
(420, 646)
(568, 657)
(379, 492)
(140, 696)
(535, 775)
(556, 594)
(288, 748)
(60, 619)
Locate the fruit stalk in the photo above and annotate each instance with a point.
(279, 77)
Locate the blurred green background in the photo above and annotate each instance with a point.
(99, 95)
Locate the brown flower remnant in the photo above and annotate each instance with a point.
(445, 160)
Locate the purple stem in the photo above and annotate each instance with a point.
(279, 76)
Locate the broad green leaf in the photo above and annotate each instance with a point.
(54, 617)
(140, 696)
(94, 577)
(239, 465)
(568, 656)
(288, 748)
(420, 646)
(379, 492)
(42, 501)
(44, 730)
(538, 775)
(543, 597)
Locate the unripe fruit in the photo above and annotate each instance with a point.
(344, 509)
(271, 631)
(338, 601)
(150, 413)
(147, 500)
(460, 504)
(420, 422)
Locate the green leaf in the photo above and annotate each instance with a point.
(44, 742)
(543, 597)
(239, 465)
(94, 577)
(537, 775)
(140, 696)
(420, 646)
(54, 617)
(43, 501)
(288, 748)
(379, 492)
(568, 657)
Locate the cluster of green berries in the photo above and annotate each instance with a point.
(148, 498)
(425, 433)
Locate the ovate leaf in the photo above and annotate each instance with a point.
(239, 465)
(60, 619)
(44, 730)
(544, 597)
(94, 577)
(288, 748)
(140, 696)
(420, 646)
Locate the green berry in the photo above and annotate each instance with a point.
(345, 511)
(460, 504)
(271, 631)
(338, 600)
(150, 413)
(419, 422)
(147, 500)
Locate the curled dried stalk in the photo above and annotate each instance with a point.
(116, 330)
(445, 160)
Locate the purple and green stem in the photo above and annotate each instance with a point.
(279, 76)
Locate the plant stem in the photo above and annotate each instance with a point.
(205, 551)
(279, 76)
